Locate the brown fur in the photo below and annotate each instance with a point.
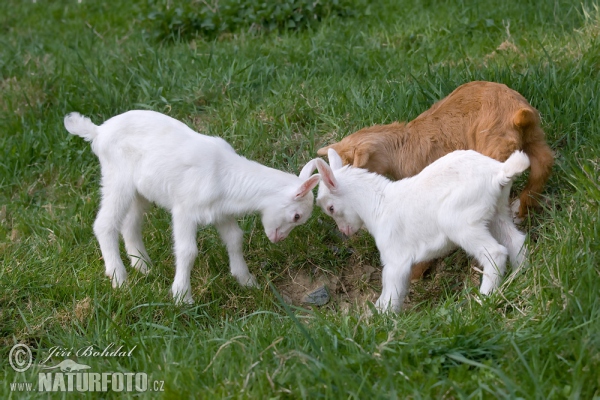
(486, 117)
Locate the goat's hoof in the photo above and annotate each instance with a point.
(142, 267)
(378, 308)
(487, 287)
(182, 293)
(248, 281)
(385, 306)
(183, 299)
(117, 279)
(514, 209)
(186, 300)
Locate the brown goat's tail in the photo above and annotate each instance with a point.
(525, 118)
(541, 158)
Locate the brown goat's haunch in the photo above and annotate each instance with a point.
(487, 117)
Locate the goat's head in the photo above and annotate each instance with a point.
(372, 148)
(331, 196)
(291, 209)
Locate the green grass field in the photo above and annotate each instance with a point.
(277, 97)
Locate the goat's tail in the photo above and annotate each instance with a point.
(82, 126)
(525, 119)
(514, 166)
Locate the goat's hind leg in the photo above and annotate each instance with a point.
(233, 237)
(132, 234)
(491, 255)
(116, 201)
(186, 250)
(504, 231)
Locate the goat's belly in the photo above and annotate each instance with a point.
(202, 208)
(156, 191)
(434, 247)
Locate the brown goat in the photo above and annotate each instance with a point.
(487, 117)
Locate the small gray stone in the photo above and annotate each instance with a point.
(318, 297)
(287, 299)
(340, 235)
(342, 252)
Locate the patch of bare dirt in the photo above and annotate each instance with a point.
(358, 282)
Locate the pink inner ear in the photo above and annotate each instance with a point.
(307, 186)
(329, 180)
(327, 175)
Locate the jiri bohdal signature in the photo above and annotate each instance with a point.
(90, 351)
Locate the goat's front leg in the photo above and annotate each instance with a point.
(395, 281)
(233, 237)
(186, 250)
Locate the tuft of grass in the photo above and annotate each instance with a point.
(187, 20)
(277, 96)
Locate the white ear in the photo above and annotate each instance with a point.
(307, 186)
(308, 169)
(334, 159)
(327, 174)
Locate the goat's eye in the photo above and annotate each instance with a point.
(296, 217)
(330, 209)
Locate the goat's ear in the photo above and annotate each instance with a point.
(339, 146)
(360, 158)
(334, 159)
(327, 175)
(308, 169)
(307, 186)
(323, 150)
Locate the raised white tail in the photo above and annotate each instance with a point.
(515, 165)
(82, 126)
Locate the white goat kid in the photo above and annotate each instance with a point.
(459, 200)
(148, 157)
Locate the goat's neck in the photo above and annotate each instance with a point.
(251, 187)
(406, 147)
(368, 198)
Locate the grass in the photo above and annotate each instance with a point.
(276, 97)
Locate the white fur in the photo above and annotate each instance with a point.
(459, 200)
(148, 157)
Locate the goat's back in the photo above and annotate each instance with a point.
(487, 117)
(162, 158)
(461, 186)
(149, 136)
(476, 115)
